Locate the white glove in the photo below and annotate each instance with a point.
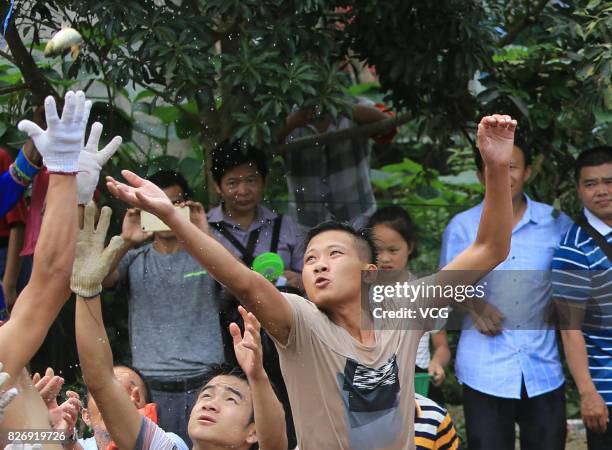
(91, 161)
(21, 446)
(61, 143)
(6, 397)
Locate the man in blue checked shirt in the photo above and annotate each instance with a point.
(581, 274)
(512, 375)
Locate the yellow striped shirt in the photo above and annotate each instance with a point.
(433, 427)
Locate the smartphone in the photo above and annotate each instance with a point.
(149, 222)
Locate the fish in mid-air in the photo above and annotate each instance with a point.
(64, 39)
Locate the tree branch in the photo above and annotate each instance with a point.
(7, 56)
(522, 23)
(380, 127)
(14, 88)
(33, 77)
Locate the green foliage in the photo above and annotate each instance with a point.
(425, 53)
(431, 199)
(557, 81)
(244, 63)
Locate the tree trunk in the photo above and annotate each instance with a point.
(33, 77)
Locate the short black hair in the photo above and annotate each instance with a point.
(218, 369)
(167, 178)
(362, 237)
(595, 156)
(521, 145)
(147, 390)
(146, 394)
(228, 155)
(398, 219)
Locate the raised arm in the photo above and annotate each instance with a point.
(48, 289)
(362, 114)
(268, 411)
(255, 292)
(92, 262)
(492, 244)
(120, 415)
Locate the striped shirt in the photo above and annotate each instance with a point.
(433, 427)
(582, 274)
(152, 437)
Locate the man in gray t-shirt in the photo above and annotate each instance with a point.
(173, 313)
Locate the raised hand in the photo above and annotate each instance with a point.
(48, 386)
(91, 161)
(64, 417)
(141, 193)
(248, 347)
(92, 260)
(496, 139)
(61, 143)
(131, 230)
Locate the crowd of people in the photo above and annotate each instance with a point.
(248, 328)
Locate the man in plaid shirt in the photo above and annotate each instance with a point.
(332, 181)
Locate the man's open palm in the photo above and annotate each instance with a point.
(140, 193)
(247, 348)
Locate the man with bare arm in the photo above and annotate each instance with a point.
(350, 387)
(37, 306)
(233, 409)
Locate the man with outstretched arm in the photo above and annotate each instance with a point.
(225, 407)
(345, 382)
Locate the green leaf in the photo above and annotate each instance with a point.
(144, 94)
(520, 104)
(427, 192)
(586, 72)
(165, 162)
(463, 178)
(363, 88)
(603, 116)
(190, 167)
(167, 114)
(593, 4)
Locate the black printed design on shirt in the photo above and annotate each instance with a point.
(371, 389)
